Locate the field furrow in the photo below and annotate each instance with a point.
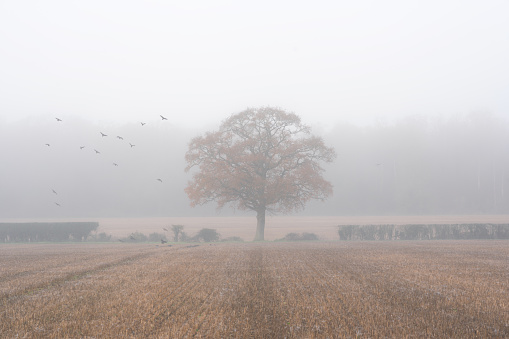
(260, 290)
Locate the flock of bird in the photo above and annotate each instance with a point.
(98, 152)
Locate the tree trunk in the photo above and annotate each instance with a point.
(260, 225)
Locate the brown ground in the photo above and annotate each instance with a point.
(428, 289)
(276, 227)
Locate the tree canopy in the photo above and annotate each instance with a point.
(261, 159)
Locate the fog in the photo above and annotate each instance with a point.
(89, 183)
(414, 166)
(199, 61)
(392, 86)
(421, 165)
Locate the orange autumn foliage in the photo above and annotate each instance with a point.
(262, 159)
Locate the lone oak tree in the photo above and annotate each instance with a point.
(262, 159)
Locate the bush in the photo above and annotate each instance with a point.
(135, 237)
(292, 237)
(423, 232)
(156, 237)
(309, 236)
(178, 231)
(101, 237)
(207, 235)
(50, 231)
(184, 237)
(235, 239)
(299, 237)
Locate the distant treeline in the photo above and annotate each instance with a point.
(423, 232)
(54, 231)
(417, 166)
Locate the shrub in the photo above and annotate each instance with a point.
(423, 232)
(178, 231)
(135, 237)
(156, 237)
(207, 235)
(101, 237)
(299, 237)
(184, 237)
(50, 231)
(309, 236)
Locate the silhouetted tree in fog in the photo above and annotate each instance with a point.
(261, 159)
(177, 230)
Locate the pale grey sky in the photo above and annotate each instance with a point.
(197, 62)
(105, 66)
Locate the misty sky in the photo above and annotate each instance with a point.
(105, 66)
(198, 62)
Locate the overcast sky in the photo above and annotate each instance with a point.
(105, 66)
(197, 62)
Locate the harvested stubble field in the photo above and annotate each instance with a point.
(294, 290)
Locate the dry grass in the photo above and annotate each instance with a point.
(397, 289)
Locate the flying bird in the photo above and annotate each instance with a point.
(54, 191)
(58, 119)
(159, 180)
(104, 135)
(163, 241)
(165, 229)
(119, 137)
(57, 204)
(132, 145)
(47, 144)
(163, 118)
(114, 164)
(82, 147)
(143, 123)
(96, 151)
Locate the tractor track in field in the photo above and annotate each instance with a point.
(71, 277)
(207, 304)
(12, 276)
(202, 316)
(263, 305)
(347, 317)
(403, 296)
(203, 308)
(182, 294)
(262, 290)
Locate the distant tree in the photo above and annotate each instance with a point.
(137, 237)
(101, 237)
(177, 230)
(156, 237)
(50, 231)
(299, 237)
(309, 236)
(262, 159)
(207, 235)
(233, 239)
(292, 237)
(184, 237)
